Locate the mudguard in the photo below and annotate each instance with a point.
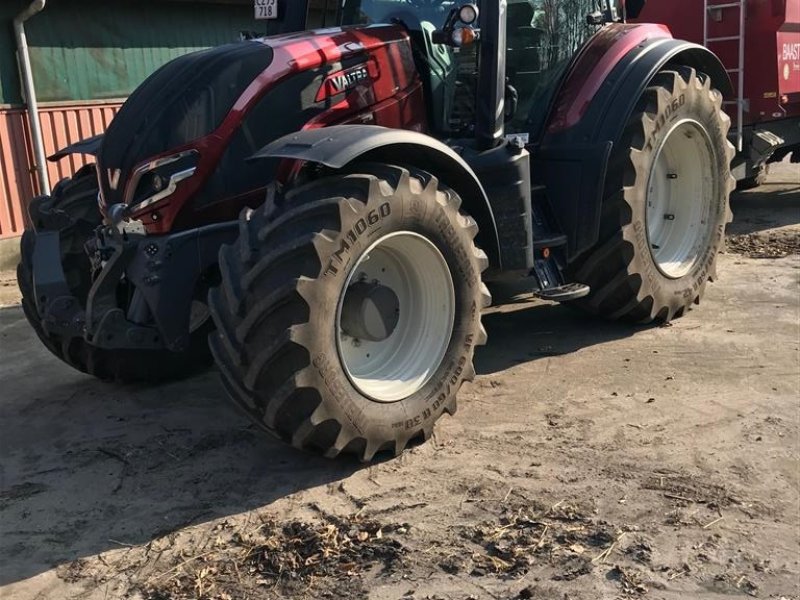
(90, 146)
(340, 145)
(590, 111)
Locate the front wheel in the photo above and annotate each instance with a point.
(666, 204)
(349, 311)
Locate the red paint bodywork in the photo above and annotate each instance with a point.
(393, 97)
(593, 65)
(770, 26)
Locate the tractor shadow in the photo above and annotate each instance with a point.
(527, 331)
(88, 466)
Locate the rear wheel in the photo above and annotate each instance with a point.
(666, 204)
(72, 210)
(349, 311)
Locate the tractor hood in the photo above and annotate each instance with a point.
(184, 100)
(176, 153)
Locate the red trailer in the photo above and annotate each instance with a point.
(758, 41)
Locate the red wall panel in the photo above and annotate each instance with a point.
(61, 125)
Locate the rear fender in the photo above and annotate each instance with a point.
(589, 116)
(341, 145)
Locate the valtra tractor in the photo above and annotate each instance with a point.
(327, 207)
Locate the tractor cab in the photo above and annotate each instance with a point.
(518, 56)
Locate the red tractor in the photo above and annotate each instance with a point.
(327, 206)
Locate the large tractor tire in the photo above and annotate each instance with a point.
(72, 210)
(665, 205)
(350, 310)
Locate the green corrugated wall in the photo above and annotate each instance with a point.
(91, 50)
(9, 75)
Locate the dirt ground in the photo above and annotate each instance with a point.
(589, 460)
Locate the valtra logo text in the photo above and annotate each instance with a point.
(342, 81)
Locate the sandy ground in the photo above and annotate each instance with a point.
(588, 460)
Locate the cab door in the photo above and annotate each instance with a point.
(542, 37)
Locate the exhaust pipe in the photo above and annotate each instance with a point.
(26, 72)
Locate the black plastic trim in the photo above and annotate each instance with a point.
(90, 146)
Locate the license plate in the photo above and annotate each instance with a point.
(266, 9)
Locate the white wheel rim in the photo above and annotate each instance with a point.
(399, 366)
(679, 193)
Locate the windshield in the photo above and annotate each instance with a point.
(560, 27)
(370, 12)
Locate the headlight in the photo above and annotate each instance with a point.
(158, 179)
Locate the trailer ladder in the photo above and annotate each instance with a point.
(710, 7)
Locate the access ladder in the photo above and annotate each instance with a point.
(712, 7)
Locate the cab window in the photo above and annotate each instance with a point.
(542, 37)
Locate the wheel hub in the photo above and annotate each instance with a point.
(370, 311)
(395, 316)
(679, 199)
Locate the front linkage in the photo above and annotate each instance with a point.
(163, 275)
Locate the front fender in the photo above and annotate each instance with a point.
(341, 145)
(90, 146)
